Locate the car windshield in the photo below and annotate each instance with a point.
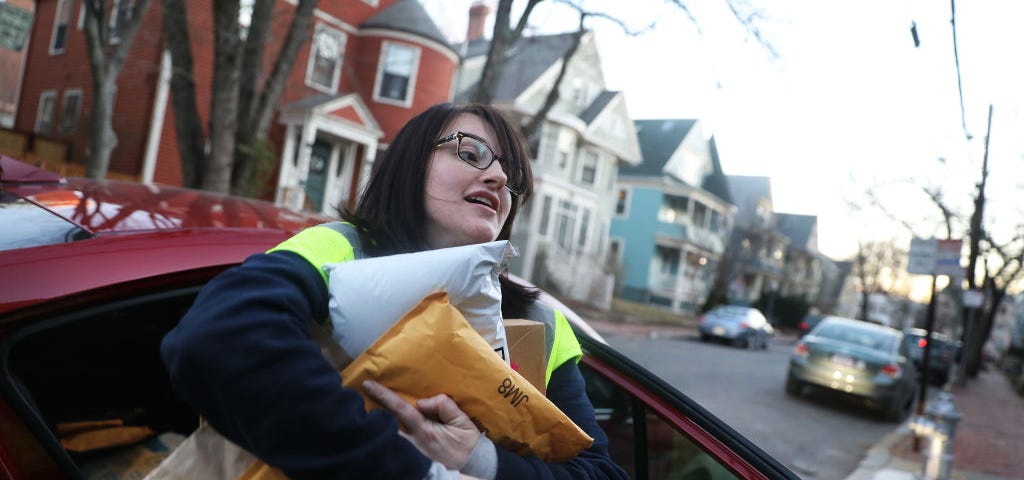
(857, 336)
(27, 225)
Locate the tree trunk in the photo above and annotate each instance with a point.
(532, 128)
(187, 123)
(259, 110)
(224, 100)
(102, 138)
(105, 62)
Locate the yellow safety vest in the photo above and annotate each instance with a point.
(339, 242)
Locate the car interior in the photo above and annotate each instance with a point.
(91, 387)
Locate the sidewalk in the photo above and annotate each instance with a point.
(989, 439)
(988, 444)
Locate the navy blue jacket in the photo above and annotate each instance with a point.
(243, 358)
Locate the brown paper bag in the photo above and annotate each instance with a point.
(433, 350)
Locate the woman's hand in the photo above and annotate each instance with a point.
(435, 425)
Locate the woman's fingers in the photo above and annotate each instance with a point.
(406, 413)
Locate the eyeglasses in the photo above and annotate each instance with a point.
(472, 150)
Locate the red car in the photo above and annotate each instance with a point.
(94, 273)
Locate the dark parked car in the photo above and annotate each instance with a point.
(809, 321)
(944, 352)
(95, 273)
(857, 359)
(738, 325)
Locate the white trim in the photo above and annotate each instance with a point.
(342, 40)
(413, 39)
(81, 17)
(372, 3)
(414, 68)
(156, 122)
(46, 94)
(67, 31)
(71, 92)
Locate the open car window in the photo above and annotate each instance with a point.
(657, 432)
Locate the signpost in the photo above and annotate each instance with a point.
(15, 24)
(929, 256)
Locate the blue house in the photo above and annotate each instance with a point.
(672, 217)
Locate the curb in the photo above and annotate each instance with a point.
(874, 465)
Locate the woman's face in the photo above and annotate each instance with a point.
(464, 205)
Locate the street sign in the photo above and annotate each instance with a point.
(947, 258)
(15, 24)
(929, 256)
(921, 259)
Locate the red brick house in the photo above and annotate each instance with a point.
(368, 66)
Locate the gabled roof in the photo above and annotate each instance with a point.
(716, 182)
(529, 58)
(407, 16)
(798, 228)
(746, 192)
(597, 106)
(659, 139)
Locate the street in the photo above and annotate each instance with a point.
(816, 436)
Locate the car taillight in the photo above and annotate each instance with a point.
(921, 342)
(800, 350)
(744, 325)
(803, 325)
(892, 370)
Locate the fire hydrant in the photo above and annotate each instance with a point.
(939, 424)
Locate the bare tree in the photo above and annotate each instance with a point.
(505, 35)
(107, 42)
(240, 110)
(879, 265)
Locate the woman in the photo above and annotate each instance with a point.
(242, 357)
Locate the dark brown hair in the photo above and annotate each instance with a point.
(391, 214)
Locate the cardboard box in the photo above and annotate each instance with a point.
(526, 350)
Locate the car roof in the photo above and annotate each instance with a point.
(122, 231)
(854, 323)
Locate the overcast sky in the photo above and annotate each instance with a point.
(848, 104)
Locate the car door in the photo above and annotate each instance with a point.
(657, 432)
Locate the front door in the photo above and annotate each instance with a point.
(316, 178)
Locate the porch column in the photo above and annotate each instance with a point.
(287, 163)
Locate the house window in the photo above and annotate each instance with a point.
(584, 225)
(700, 214)
(588, 173)
(667, 260)
(120, 17)
(614, 252)
(61, 21)
(69, 111)
(396, 77)
(545, 215)
(565, 224)
(673, 209)
(44, 115)
(621, 202)
(563, 159)
(324, 66)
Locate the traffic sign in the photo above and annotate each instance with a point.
(947, 258)
(921, 259)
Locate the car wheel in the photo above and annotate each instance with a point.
(793, 387)
(900, 408)
(767, 343)
(705, 338)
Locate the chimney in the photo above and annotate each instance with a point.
(477, 18)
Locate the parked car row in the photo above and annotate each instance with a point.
(942, 355)
(741, 326)
(859, 360)
(96, 272)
